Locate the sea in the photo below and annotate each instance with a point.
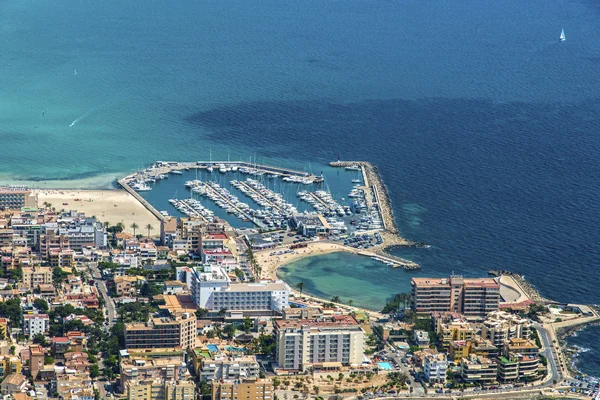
(484, 127)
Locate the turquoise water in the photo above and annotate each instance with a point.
(385, 365)
(212, 348)
(484, 127)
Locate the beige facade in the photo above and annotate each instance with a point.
(17, 197)
(247, 390)
(176, 331)
(499, 327)
(126, 285)
(325, 343)
(474, 298)
(160, 390)
(35, 276)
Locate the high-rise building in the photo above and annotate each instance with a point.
(499, 327)
(435, 367)
(474, 298)
(327, 342)
(162, 332)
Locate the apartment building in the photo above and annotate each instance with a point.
(519, 361)
(61, 258)
(435, 367)
(157, 389)
(499, 327)
(83, 232)
(168, 368)
(326, 342)
(478, 369)
(456, 330)
(212, 289)
(35, 324)
(16, 197)
(163, 332)
(222, 367)
(9, 365)
(474, 298)
(250, 389)
(35, 276)
(127, 285)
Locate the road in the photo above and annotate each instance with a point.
(110, 304)
(554, 369)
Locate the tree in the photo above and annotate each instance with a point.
(335, 299)
(300, 287)
(94, 371)
(229, 330)
(40, 339)
(41, 305)
(48, 360)
(350, 302)
(247, 324)
(222, 312)
(134, 226)
(58, 275)
(149, 227)
(149, 290)
(201, 313)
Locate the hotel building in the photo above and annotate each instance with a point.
(247, 390)
(15, 197)
(163, 332)
(324, 343)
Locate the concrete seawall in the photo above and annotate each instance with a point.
(148, 206)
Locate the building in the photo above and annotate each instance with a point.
(36, 360)
(476, 369)
(173, 287)
(151, 367)
(323, 343)
(162, 332)
(13, 383)
(127, 285)
(212, 289)
(475, 298)
(455, 328)
(435, 367)
(310, 225)
(221, 367)
(35, 276)
(16, 197)
(156, 389)
(250, 389)
(34, 324)
(499, 327)
(421, 338)
(520, 361)
(9, 365)
(83, 232)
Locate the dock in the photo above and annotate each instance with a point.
(255, 221)
(251, 189)
(125, 185)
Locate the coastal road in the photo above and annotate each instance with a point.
(549, 352)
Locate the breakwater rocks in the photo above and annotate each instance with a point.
(378, 198)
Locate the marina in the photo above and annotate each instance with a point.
(351, 203)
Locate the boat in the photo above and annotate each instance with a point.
(210, 168)
(141, 187)
(176, 172)
(354, 167)
(562, 36)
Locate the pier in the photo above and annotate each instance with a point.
(125, 185)
(224, 199)
(165, 167)
(254, 191)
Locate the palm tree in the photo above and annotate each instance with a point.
(134, 226)
(350, 302)
(149, 227)
(335, 299)
(300, 287)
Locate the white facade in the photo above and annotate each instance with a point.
(230, 368)
(305, 343)
(435, 367)
(34, 324)
(212, 289)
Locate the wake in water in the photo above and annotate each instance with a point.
(82, 117)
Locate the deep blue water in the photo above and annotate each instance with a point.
(484, 127)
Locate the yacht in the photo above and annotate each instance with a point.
(354, 167)
(562, 36)
(141, 187)
(210, 169)
(176, 172)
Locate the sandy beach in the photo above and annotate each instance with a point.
(270, 264)
(111, 206)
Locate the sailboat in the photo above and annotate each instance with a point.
(562, 37)
(210, 167)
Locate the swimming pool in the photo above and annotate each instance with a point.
(212, 348)
(237, 349)
(385, 365)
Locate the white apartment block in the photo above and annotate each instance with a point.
(331, 342)
(34, 324)
(499, 327)
(435, 367)
(229, 368)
